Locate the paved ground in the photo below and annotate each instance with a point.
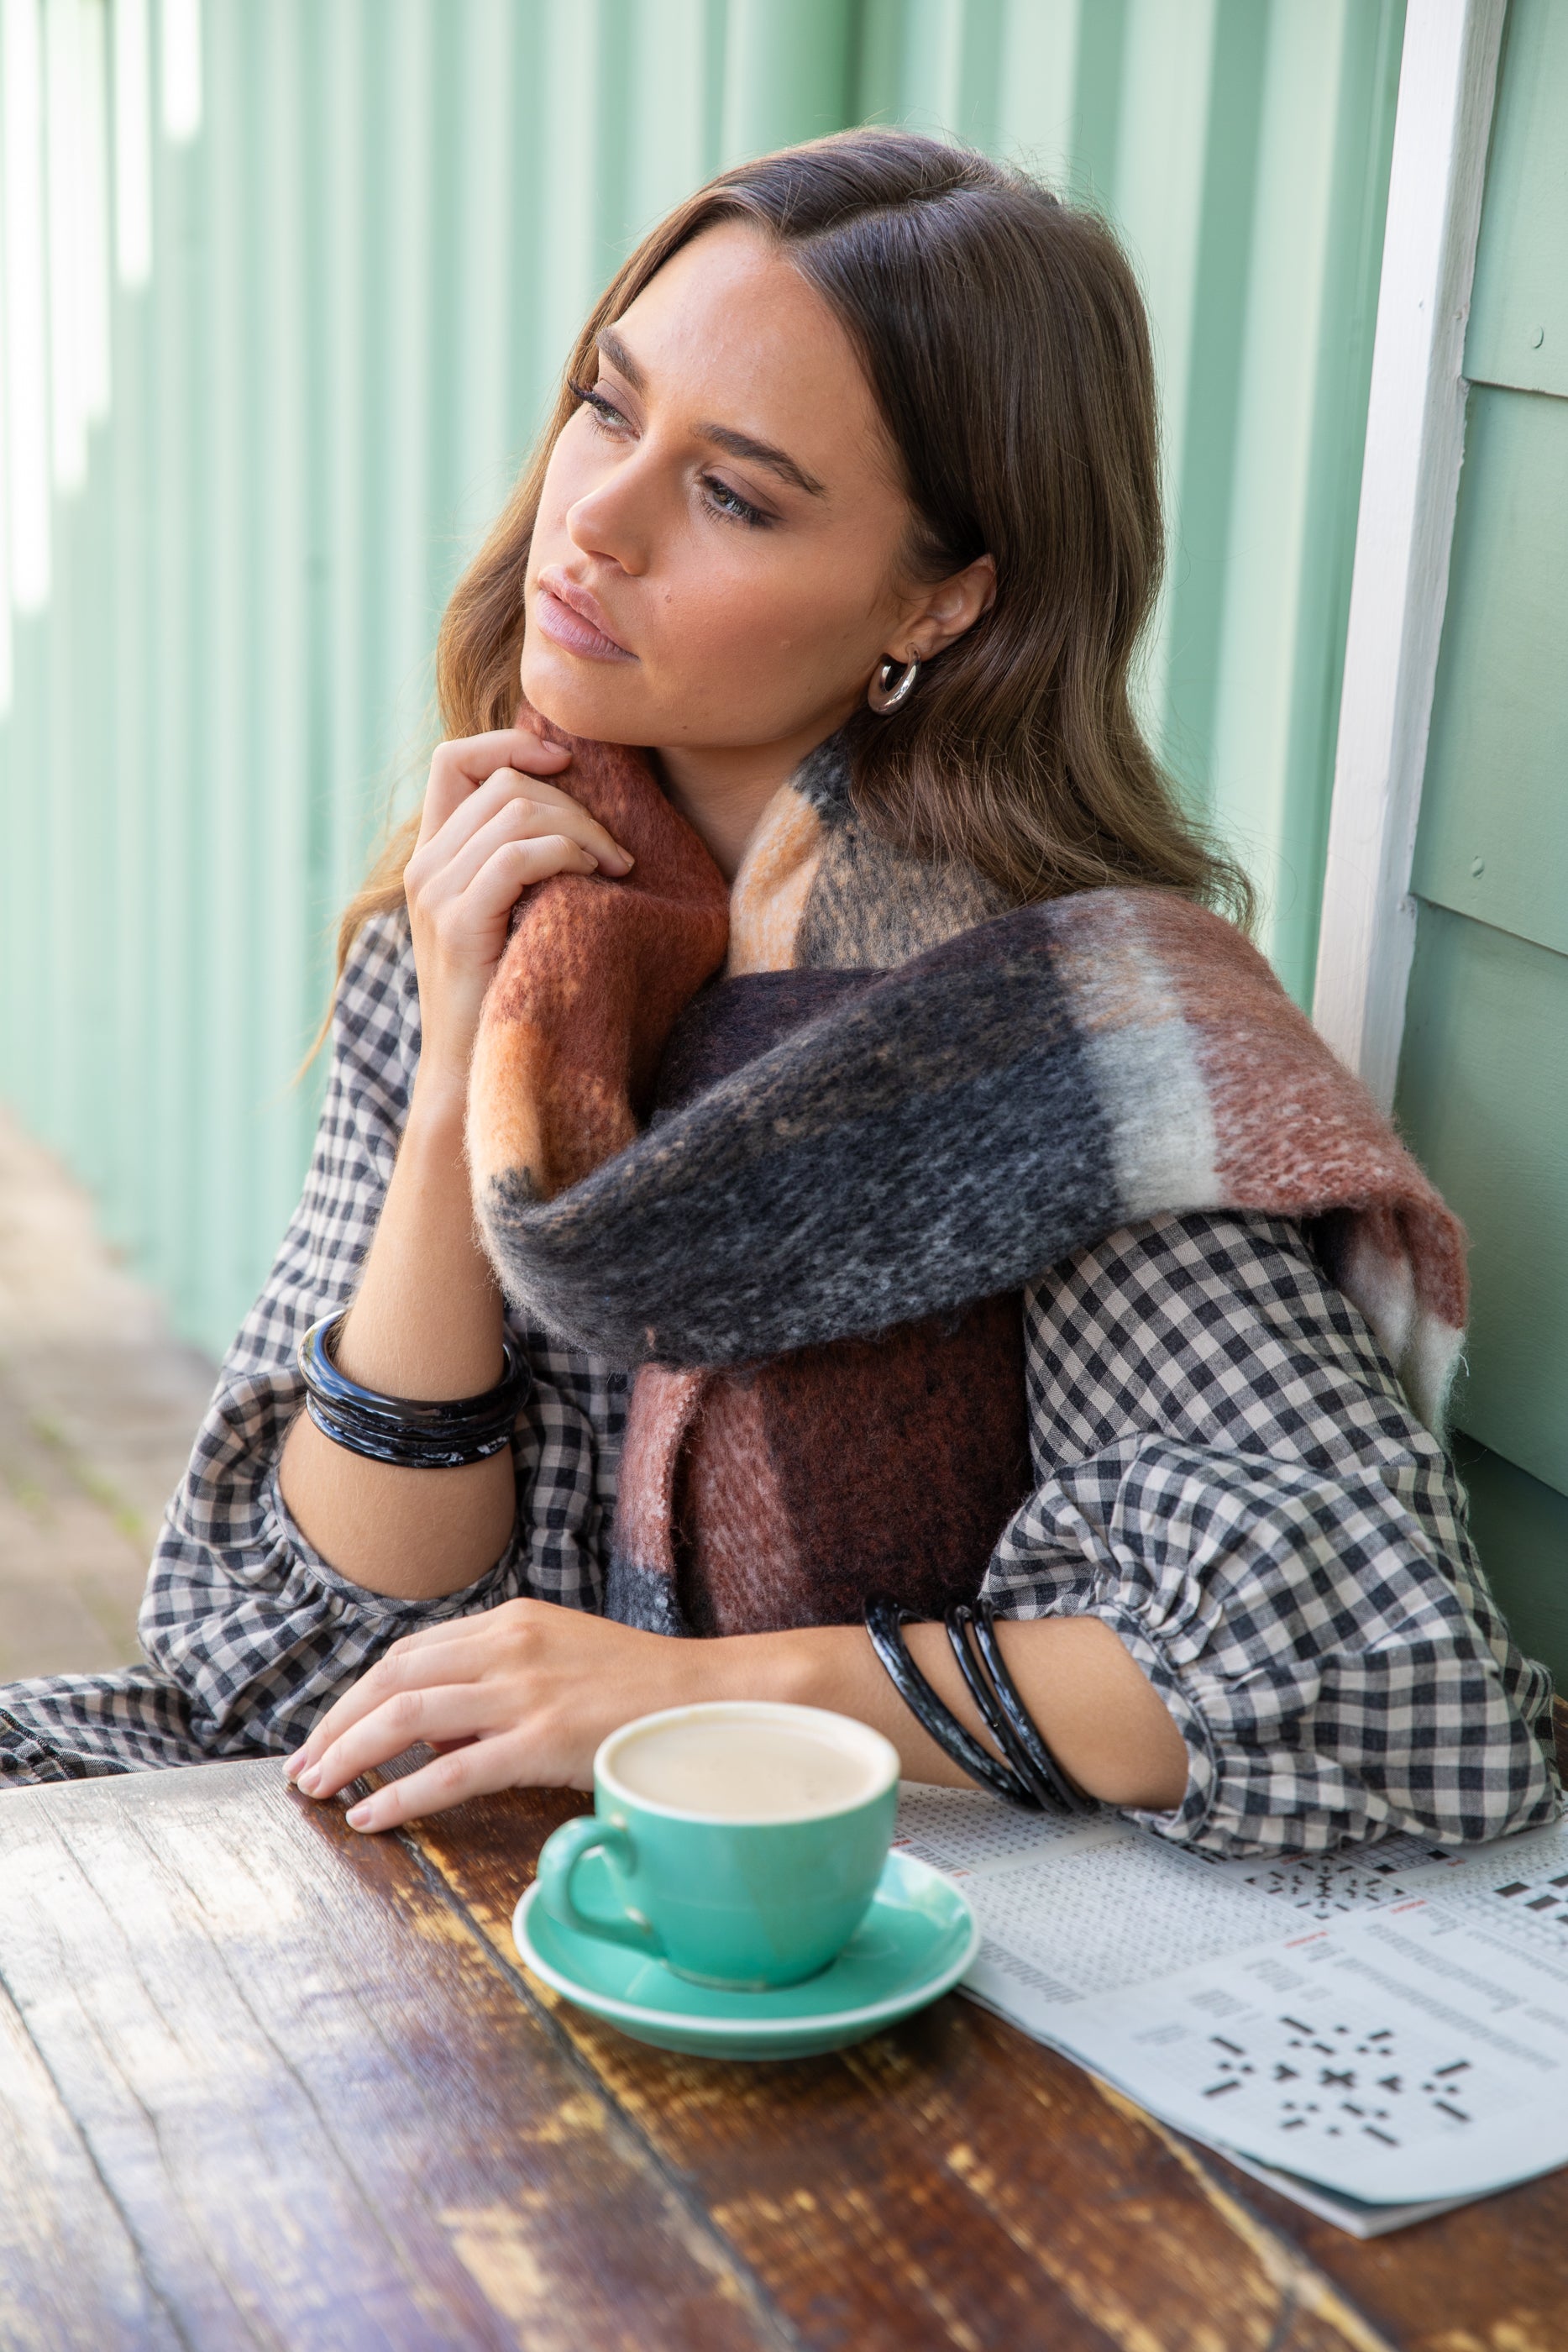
(97, 1406)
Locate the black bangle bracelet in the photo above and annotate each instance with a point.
(409, 1431)
(958, 1619)
(1016, 1732)
(885, 1622)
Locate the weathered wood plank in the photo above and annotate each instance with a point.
(69, 2272)
(952, 2183)
(1492, 2275)
(264, 2085)
(319, 2108)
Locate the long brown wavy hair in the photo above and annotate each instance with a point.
(1005, 339)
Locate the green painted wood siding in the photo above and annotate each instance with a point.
(367, 265)
(1483, 1083)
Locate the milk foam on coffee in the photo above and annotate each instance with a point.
(744, 1770)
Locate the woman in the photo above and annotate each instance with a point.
(849, 508)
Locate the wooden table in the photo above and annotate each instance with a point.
(270, 2084)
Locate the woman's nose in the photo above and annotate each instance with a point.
(612, 521)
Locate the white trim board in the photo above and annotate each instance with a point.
(1409, 487)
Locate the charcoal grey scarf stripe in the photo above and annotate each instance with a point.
(934, 1138)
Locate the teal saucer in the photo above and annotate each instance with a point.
(913, 1944)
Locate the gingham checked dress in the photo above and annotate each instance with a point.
(1229, 1476)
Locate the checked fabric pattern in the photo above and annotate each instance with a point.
(1227, 1475)
(1231, 1478)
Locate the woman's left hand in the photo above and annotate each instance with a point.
(519, 1696)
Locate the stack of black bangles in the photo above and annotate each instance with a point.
(405, 1429)
(1030, 1777)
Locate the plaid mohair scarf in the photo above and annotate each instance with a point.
(792, 1150)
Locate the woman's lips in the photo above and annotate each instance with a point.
(572, 618)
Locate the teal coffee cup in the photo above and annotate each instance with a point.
(744, 1840)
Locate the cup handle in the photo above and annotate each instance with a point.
(562, 1853)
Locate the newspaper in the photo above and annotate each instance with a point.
(1382, 2033)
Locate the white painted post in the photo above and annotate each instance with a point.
(1409, 487)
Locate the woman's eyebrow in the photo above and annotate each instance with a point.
(761, 453)
(621, 359)
(723, 437)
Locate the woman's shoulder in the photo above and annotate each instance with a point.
(381, 948)
(1219, 1324)
(1211, 1274)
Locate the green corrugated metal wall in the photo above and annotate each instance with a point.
(366, 266)
(1483, 1088)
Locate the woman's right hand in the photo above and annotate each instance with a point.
(492, 825)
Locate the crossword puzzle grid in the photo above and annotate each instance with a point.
(1544, 1900)
(1324, 1886)
(1309, 2075)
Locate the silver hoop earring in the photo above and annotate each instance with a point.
(883, 697)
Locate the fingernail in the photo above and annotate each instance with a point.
(359, 1816)
(309, 1780)
(291, 1763)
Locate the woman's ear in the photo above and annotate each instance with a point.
(942, 614)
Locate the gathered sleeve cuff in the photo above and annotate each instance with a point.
(259, 1637)
(1335, 1667)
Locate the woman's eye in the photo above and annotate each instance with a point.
(605, 412)
(732, 506)
(723, 501)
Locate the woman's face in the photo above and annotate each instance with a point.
(716, 562)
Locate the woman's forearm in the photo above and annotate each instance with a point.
(521, 1695)
(1102, 1717)
(426, 1322)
